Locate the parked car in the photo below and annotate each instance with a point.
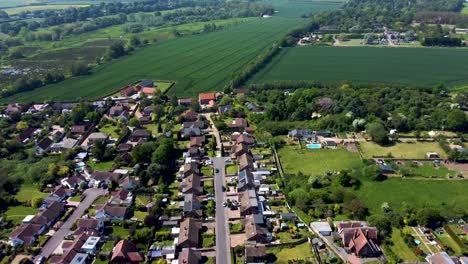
(224, 204)
(216, 170)
(40, 260)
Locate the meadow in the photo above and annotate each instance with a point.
(442, 194)
(417, 66)
(410, 150)
(465, 9)
(317, 161)
(196, 63)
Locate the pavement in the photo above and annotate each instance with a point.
(223, 249)
(91, 195)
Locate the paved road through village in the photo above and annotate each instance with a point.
(56, 239)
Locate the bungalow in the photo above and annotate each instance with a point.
(192, 206)
(126, 252)
(66, 143)
(197, 142)
(43, 146)
(97, 136)
(121, 197)
(254, 232)
(190, 132)
(139, 135)
(73, 182)
(85, 225)
(111, 212)
(127, 91)
(147, 111)
(145, 83)
(189, 233)
(26, 135)
(124, 147)
(255, 253)
(184, 101)
(206, 98)
(432, 155)
(103, 177)
(189, 256)
(25, 234)
(248, 202)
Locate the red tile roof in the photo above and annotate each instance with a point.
(148, 90)
(207, 96)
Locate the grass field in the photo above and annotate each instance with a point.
(316, 162)
(29, 191)
(440, 194)
(428, 169)
(400, 248)
(17, 10)
(196, 63)
(423, 66)
(101, 166)
(415, 150)
(299, 252)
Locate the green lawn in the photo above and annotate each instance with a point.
(29, 191)
(110, 129)
(153, 128)
(101, 166)
(448, 241)
(232, 169)
(400, 248)
(428, 170)
(119, 231)
(415, 150)
(317, 161)
(140, 215)
(108, 246)
(208, 240)
(368, 64)
(17, 213)
(299, 252)
(101, 200)
(76, 198)
(163, 86)
(440, 194)
(207, 171)
(196, 63)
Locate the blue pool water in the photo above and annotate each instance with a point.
(313, 146)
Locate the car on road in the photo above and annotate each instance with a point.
(40, 260)
(224, 204)
(216, 170)
(223, 188)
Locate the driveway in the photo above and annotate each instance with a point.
(56, 239)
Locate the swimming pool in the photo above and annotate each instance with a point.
(314, 146)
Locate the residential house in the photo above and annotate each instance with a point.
(197, 142)
(43, 146)
(254, 232)
(192, 206)
(192, 124)
(224, 109)
(361, 241)
(139, 135)
(62, 193)
(129, 182)
(189, 115)
(331, 144)
(184, 101)
(124, 147)
(240, 149)
(125, 252)
(120, 110)
(196, 153)
(36, 108)
(79, 129)
(206, 98)
(245, 139)
(323, 133)
(288, 216)
(440, 258)
(148, 91)
(111, 212)
(26, 135)
(85, 225)
(48, 216)
(73, 182)
(145, 83)
(238, 123)
(189, 233)
(248, 202)
(147, 111)
(103, 177)
(72, 252)
(189, 256)
(301, 135)
(121, 197)
(13, 108)
(25, 234)
(191, 184)
(91, 245)
(65, 144)
(127, 91)
(255, 253)
(191, 168)
(245, 162)
(188, 132)
(97, 136)
(246, 181)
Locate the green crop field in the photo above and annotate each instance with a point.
(422, 66)
(440, 194)
(196, 63)
(17, 10)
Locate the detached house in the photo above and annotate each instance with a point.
(206, 98)
(360, 240)
(189, 256)
(93, 137)
(125, 252)
(111, 212)
(48, 216)
(184, 101)
(86, 225)
(127, 91)
(139, 135)
(25, 234)
(121, 197)
(197, 142)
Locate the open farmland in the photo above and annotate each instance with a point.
(465, 9)
(441, 194)
(17, 10)
(196, 63)
(420, 66)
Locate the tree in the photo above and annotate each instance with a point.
(355, 208)
(429, 217)
(457, 120)
(99, 149)
(134, 122)
(383, 224)
(373, 173)
(116, 50)
(135, 41)
(80, 69)
(21, 125)
(378, 133)
(36, 202)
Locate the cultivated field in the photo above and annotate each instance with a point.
(11, 3)
(17, 10)
(196, 63)
(317, 161)
(423, 66)
(442, 194)
(415, 150)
